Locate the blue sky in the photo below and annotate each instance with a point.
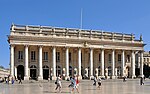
(125, 16)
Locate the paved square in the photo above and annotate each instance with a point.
(86, 87)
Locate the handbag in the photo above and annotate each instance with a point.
(55, 82)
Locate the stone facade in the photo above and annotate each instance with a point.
(41, 52)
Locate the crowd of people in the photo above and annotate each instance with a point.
(74, 82)
(11, 80)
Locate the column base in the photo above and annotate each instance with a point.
(133, 77)
(102, 77)
(40, 78)
(142, 75)
(80, 77)
(91, 77)
(54, 77)
(26, 77)
(67, 78)
(113, 77)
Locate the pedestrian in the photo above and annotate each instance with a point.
(77, 82)
(99, 82)
(74, 85)
(71, 84)
(58, 83)
(48, 78)
(95, 80)
(124, 79)
(12, 80)
(20, 82)
(141, 81)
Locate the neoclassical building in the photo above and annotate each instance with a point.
(43, 51)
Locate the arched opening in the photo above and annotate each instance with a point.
(99, 71)
(20, 71)
(128, 71)
(45, 72)
(70, 71)
(82, 72)
(137, 72)
(33, 72)
(146, 70)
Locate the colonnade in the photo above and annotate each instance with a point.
(40, 73)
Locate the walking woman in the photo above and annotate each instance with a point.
(75, 85)
(58, 84)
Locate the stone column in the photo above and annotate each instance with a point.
(67, 63)
(79, 63)
(16, 71)
(91, 63)
(113, 65)
(26, 76)
(12, 60)
(54, 63)
(133, 64)
(123, 64)
(141, 64)
(40, 76)
(102, 63)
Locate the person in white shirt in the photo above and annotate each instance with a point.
(58, 85)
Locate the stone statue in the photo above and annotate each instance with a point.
(141, 37)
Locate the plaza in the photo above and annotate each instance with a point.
(85, 87)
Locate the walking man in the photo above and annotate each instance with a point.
(20, 82)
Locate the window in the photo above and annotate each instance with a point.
(109, 58)
(147, 59)
(144, 60)
(32, 55)
(81, 58)
(20, 55)
(45, 56)
(128, 58)
(89, 57)
(69, 57)
(119, 58)
(99, 57)
(57, 56)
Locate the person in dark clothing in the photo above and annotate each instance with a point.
(95, 80)
(141, 81)
(20, 79)
(124, 79)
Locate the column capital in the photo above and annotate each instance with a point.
(12, 45)
(40, 46)
(26, 45)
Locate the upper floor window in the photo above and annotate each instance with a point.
(69, 57)
(119, 58)
(57, 56)
(20, 55)
(45, 56)
(99, 57)
(147, 59)
(144, 59)
(81, 57)
(128, 58)
(109, 58)
(33, 55)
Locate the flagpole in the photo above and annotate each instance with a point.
(81, 20)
